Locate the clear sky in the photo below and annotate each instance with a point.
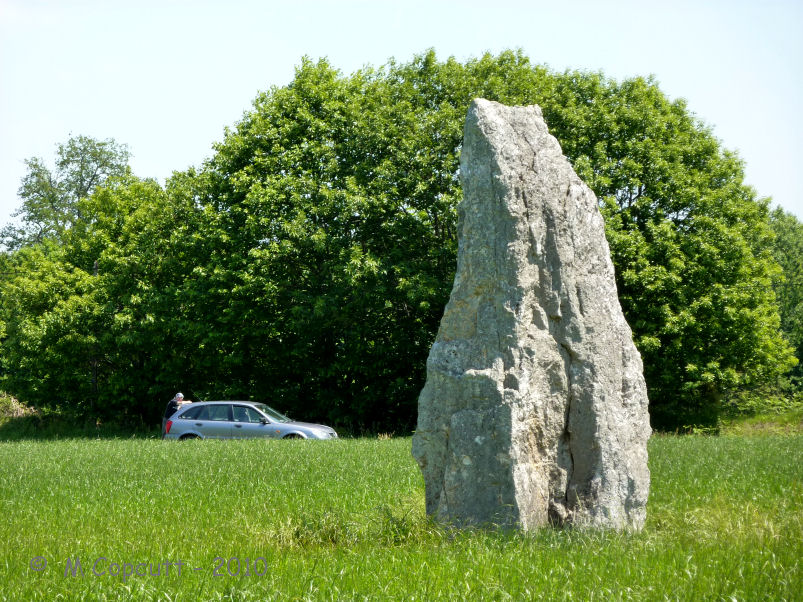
(166, 76)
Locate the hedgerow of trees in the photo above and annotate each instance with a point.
(307, 263)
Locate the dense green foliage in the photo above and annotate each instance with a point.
(788, 251)
(724, 521)
(690, 243)
(308, 261)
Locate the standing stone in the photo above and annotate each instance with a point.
(535, 407)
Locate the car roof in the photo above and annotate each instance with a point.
(196, 403)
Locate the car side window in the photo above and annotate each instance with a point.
(253, 415)
(246, 414)
(215, 412)
(191, 413)
(220, 412)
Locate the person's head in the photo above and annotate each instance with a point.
(179, 396)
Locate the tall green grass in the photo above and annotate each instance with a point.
(345, 520)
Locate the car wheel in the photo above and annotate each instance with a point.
(292, 436)
(188, 437)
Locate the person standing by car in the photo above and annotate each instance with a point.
(173, 406)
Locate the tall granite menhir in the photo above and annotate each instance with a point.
(535, 407)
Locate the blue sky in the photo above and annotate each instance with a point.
(166, 76)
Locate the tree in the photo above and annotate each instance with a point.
(68, 305)
(690, 242)
(323, 272)
(50, 197)
(788, 252)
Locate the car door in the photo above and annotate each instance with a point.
(248, 424)
(214, 421)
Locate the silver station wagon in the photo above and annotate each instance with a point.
(239, 420)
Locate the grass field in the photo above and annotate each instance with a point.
(344, 519)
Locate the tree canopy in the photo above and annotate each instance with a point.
(50, 198)
(307, 263)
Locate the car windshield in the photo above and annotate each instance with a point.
(271, 413)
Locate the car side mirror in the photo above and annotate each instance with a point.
(264, 420)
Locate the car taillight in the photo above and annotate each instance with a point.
(167, 426)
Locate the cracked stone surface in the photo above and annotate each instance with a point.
(535, 408)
